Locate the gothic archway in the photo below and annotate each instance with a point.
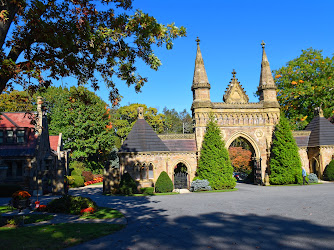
(181, 176)
(244, 156)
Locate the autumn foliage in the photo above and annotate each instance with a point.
(240, 158)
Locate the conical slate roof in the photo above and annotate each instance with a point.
(322, 132)
(142, 138)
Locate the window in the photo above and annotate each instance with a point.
(137, 171)
(150, 171)
(10, 136)
(1, 136)
(20, 136)
(19, 169)
(143, 172)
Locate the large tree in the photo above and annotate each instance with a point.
(177, 122)
(305, 83)
(285, 165)
(44, 40)
(125, 117)
(16, 101)
(214, 163)
(83, 119)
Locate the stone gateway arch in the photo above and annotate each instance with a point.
(236, 116)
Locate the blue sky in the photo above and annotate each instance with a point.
(230, 34)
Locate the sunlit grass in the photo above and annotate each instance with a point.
(103, 213)
(56, 236)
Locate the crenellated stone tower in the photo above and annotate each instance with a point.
(236, 116)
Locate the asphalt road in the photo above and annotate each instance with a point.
(254, 217)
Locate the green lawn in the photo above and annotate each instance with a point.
(218, 191)
(56, 236)
(104, 213)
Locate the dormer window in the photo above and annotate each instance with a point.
(20, 136)
(10, 136)
(1, 137)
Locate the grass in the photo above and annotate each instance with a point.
(103, 213)
(97, 183)
(217, 191)
(56, 236)
(5, 209)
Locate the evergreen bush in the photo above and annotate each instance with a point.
(147, 190)
(127, 185)
(285, 164)
(78, 181)
(164, 184)
(200, 185)
(329, 171)
(313, 178)
(214, 164)
(70, 204)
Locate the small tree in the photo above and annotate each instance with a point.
(214, 164)
(285, 164)
(329, 171)
(164, 184)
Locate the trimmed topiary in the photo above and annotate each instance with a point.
(285, 164)
(127, 185)
(70, 204)
(78, 181)
(164, 184)
(312, 178)
(329, 171)
(147, 190)
(214, 164)
(200, 185)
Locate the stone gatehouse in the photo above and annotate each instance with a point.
(145, 155)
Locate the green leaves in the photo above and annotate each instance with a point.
(214, 164)
(303, 84)
(75, 38)
(285, 164)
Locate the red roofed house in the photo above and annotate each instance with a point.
(28, 155)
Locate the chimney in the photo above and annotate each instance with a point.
(39, 114)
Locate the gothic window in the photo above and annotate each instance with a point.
(20, 136)
(137, 171)
(143, 172)
(150, 171)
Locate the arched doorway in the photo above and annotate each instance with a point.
(315, 167)
(244, 161)
(180, 176)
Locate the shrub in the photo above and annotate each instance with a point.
(77, 167)
(164, 184)
(7, 190)
(78, 181)
(147, 190)
(214, 164)
(329, 171)
(313, 178)
(127, 185)
(70, 204)
(200, 185)
(285, 164)
(88, 175)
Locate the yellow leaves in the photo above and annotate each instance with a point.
(278, 76)
(294, 83)
(301, 81)
(304, 118)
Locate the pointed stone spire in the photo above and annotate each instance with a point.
(266, 78)
(200, 78)
(267, 87)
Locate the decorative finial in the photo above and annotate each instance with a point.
(263, 44)
(197, 40)
(233, 73)
(140, 113)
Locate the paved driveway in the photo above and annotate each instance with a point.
(254, 217)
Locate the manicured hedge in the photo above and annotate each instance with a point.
(164, 184)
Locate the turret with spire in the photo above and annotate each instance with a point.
(200, 86)
(267, 87)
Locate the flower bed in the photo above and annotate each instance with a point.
(95, 180)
